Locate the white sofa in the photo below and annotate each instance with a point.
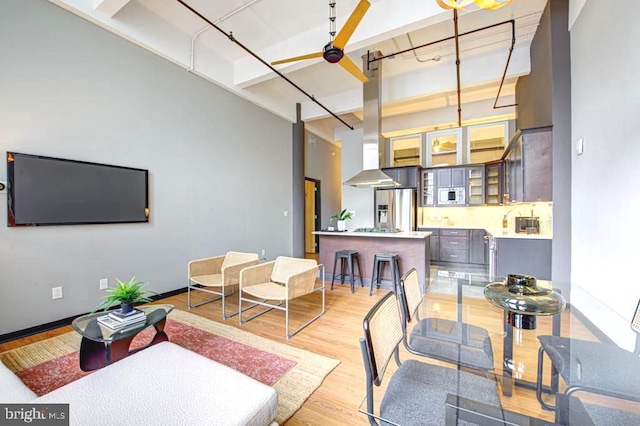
(164, 384)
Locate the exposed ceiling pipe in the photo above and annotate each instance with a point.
(193, 45)
(217, 21)
(455, 32)
(265, 63)
(504, 75)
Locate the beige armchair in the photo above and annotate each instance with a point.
(220, 271)
(280, 281)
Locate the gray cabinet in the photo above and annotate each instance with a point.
(454, 245)
(451, 177)
(528, 167)
(458, 246)
(408, 177)
(523, 256)
(478, 247)
(434, 243)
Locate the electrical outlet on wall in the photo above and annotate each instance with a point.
(104, 283)
(56, 293)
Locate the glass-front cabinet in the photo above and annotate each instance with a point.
(405, 150)
(444, 148)
(493, 183)
(486, 142)
(475, 186)
(428, 187)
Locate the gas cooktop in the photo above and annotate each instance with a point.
(381, 230)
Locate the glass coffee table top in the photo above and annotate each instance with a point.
(89, 327)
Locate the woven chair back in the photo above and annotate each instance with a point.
(412, 293)
(287, 266)
(235, 257)
(383, 333)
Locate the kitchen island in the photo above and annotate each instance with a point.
(412, 249)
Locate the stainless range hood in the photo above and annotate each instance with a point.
(371, 176)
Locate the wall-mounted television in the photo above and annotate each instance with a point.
(53, 191)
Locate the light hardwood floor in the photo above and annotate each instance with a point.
(336, 335)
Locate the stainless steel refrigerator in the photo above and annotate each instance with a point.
(395, 209)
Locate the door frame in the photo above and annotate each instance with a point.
(318, 210)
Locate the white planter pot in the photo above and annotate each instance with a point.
(342, 225)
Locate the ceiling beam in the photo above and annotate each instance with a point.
(109, 7)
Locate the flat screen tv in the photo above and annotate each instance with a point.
(53, 191)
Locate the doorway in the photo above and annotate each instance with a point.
(311, 217)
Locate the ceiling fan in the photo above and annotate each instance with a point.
(333, 52)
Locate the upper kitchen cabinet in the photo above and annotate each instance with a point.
(486, 142)
(475, 185)
(528, 166)
(406, 150)
(451, 177)
(493, 183)
(427, 188)
(408, 177)
(444, 148)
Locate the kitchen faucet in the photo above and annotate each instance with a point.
(505, 222)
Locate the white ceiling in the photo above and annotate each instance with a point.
(412, 83)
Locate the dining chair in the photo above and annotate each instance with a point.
(594, 367)
(416, 393)
(279, 282)
(220, 272)
(446, 340)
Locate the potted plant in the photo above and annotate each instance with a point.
(126, 294)
(342, 218)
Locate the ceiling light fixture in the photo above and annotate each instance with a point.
(472, 4)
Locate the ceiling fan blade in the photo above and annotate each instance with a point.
(491, 4)
(350, 26)
(298, 58)
(348, 65)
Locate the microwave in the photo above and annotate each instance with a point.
(451, 196)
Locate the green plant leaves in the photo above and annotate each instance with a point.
(343, 215)
(125, 292)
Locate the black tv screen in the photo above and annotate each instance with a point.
(54, 191)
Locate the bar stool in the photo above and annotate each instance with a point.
(379, 260)
(347, 259)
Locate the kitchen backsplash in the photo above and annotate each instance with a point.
(489, 217)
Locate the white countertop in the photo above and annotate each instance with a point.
(498, 232)
(501, 233)
(413, 234)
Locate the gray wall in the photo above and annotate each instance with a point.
(544, 99)
(323, 162)
(72, 90)
(534, 91)
(561, 111)
(605, 198)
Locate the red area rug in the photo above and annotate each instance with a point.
(263, 366)
(294, 373)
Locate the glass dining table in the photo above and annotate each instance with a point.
(459, 297)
